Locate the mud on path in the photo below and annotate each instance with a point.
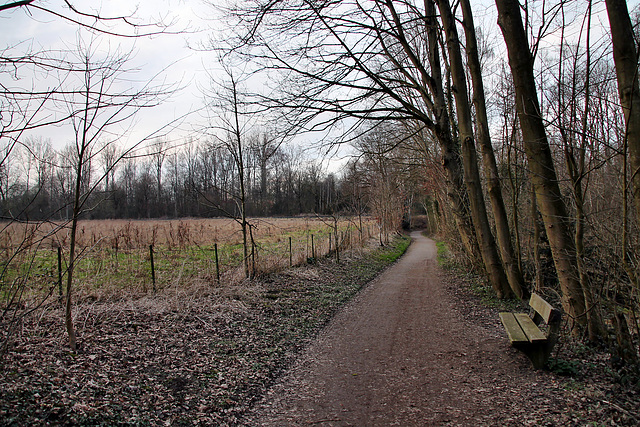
(401, 354)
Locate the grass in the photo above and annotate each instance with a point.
(115, 253)
(395, 250)
(444, 256)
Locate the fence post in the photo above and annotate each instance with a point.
(153, 269)
(215, 249)
(337, 248)
(290, 253)
(253, 259)
(60, 272)
(313, 249)
(329, 244)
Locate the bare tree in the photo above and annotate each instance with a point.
(543, 172)
(97, 105)
(488, 247)
(625, 57)
(229, 128)
(492, 177)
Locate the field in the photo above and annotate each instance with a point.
(197, 351)
(116, 255)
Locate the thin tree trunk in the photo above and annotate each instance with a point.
(494, 189)
(578, 174)
(538, 282)
(543, 174)
(243, 193)
(72, 261)
(488, 248)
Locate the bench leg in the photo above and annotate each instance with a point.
(538, 354)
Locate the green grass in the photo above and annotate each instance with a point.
(395, 250)
(444, 256)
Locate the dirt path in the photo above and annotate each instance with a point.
(400, 354)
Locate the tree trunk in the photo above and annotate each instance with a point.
(488, 249)
(492, 177)
(626, 61)
(451, 159)
(542, 169)
(538, 283)
(576, 166)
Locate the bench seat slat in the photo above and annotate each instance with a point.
(533, 333)
(511, 325)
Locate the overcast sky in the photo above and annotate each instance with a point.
(168, 54)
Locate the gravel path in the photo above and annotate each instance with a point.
(401, 354)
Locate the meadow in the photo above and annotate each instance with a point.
(116, 255)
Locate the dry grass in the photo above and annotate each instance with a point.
(137, 234)
(115, 262)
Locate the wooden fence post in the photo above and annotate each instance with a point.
(153, 269)
(337, 248)
(60, 273)
(290, 253)
(253, 259)
(313, 249)
(215, 250)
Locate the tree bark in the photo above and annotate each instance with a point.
(626, 62)
(488, 248)
(494, 189)
(451, 159)
(542, 169)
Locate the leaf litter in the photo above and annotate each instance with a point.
(178, 358)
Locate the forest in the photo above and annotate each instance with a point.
(518, 144)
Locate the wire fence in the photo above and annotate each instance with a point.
(116, 267)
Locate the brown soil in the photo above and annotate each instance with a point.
(400, 354)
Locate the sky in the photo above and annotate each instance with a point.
(173, 58)
(177, 57)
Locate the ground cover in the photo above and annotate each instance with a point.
(196, 354)
(601, 392)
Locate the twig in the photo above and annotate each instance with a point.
(624, 411)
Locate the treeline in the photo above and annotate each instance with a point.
(195, 179)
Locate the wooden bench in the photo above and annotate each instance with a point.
(525, 335)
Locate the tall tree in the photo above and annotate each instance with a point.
(625, 57)
(488, 247)
(96, 106)
(229, 127)
(492, 177)
(549, 198)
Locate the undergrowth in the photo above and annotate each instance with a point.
(480, 286)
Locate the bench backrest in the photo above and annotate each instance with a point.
(544, 309)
